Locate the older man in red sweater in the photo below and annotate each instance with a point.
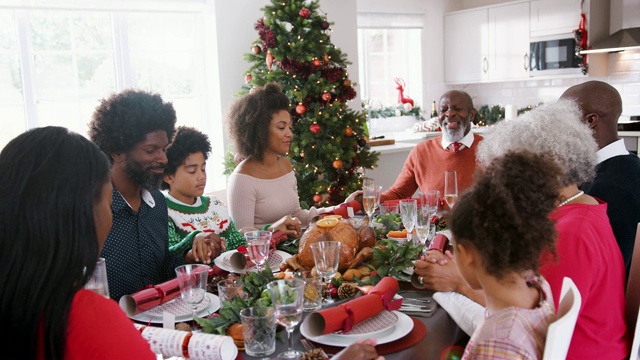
(455, 150)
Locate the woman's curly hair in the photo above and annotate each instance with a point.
(554, 129)
(505, 215)
(124, 119)
(250, 116)
(187, 141)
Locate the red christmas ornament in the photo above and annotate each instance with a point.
(304, 12)
(348, 131)
(324, 25)
(248, 78)
(314, 128)
(316, 63)
(317, 198)
(326, 96)
(256, 49)
(269, 59)
(337, 164)
(301, 109)
(362, 142)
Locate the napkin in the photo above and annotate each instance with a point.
(342, 209)
(154, 295)
(344, 316)
(467, 313)
(188, 345)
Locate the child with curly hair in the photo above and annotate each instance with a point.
(191, 214)
(500, 227)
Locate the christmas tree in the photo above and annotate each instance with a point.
(330, 140)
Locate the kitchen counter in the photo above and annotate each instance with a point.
(392, 157)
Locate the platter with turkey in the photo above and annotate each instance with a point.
(357, 268)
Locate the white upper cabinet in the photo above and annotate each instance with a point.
(466, 46)
(509, 42)
(552, 17)
(487, 44)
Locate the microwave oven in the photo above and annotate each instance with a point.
(554, 56)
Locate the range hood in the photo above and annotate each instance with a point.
(621, 40)
(624, 29)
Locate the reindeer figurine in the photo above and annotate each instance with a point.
(401, 98)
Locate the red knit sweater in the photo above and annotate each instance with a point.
(425, 167)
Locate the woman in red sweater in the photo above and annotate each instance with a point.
(55, 215)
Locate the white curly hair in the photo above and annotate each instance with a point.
(554, 130)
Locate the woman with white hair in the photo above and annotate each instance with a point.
(586, 250)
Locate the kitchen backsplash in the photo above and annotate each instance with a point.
(624, 75)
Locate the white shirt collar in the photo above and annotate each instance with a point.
(148, 198)
(196, 204)
(616, 148)
(467, 140)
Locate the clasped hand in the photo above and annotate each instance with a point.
(205, 247)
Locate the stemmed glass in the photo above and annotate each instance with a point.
(430, 200)
(409, 214)
(450, 188)
(258, 244)
(287, 297)
(326, 255)
(192, 280)
(369, 196)
(378, 192)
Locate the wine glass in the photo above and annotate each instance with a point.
(378, 192)
(287, 297)
(409, 214)
(423, 229)
(369, 197)
(193, 285)
(368, 183)
(326, 255)
(430, 200)
(450, 188)
(258, 244)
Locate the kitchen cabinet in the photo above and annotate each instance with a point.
(553, 17)
(465, 46)
(487, 44)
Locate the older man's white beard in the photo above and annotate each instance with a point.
(453, 135)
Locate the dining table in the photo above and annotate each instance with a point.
(443, 338)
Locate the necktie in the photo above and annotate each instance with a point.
(456, 146)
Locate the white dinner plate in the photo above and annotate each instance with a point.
(400, 240)
(402, 328)
(375, 326)
(181, 310)
(274, 261)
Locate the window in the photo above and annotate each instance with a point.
(58, 60)
(389, 47)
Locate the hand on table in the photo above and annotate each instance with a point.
(289, 225)
(205, 246)
(360, 350)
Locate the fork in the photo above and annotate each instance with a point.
(309, 346)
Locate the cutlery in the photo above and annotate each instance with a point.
(309, 346)
(417, 308)
(414, 300)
